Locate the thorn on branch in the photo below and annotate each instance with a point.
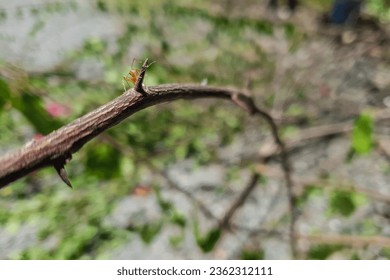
(139, 86)
(59, 165)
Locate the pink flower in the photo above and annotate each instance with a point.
(57, 110)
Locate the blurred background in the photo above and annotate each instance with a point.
(156, 185)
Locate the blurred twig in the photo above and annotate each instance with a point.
(226, 220)
(247, 104)
(308, 180)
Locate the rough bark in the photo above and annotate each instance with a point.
(56, 148)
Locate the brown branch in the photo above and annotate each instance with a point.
(59, 145)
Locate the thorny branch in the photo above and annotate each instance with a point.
(57, 148)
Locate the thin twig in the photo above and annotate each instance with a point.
(226, 220)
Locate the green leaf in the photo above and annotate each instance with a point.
(207, 242)
(165, 205)
(342, 202)
(34, 253)
(289, 30)
(103, 161)
(177, 218)
(3, 15)
(250, 254)
(69, 249)
(37, 26)
(101, 5)
(362, 134)
(94, 46)
(309, 192)
(323, 251)
(149, 231)
(385, 252)
(175, 240)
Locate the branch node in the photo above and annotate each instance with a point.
(245, 102)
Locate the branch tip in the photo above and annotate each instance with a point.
(139, 86)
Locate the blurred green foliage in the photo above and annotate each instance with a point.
(309, 191)
(362, 142)
(344, 202)
(5, 93)
(208, 240)
(380, 8)
(252, 254)
(323, 251)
